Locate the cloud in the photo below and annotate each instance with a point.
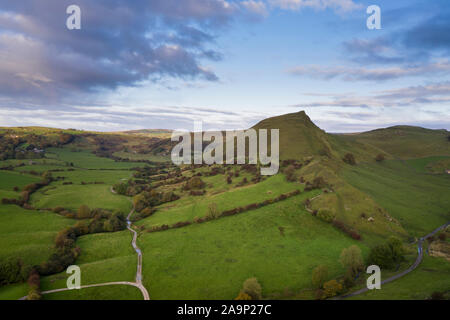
(255, 7)
(112, 117)
(338, 5)
(434, 33)
(350, 73)
(431, 94)
(121, 43)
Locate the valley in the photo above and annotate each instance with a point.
(203, 230)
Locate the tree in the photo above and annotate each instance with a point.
(319, 276)
(350, 159)
(352, 260)
(380, 157)
(252, 288)
(331, 288)
(388, 254)
(194, 183)
(84, 212)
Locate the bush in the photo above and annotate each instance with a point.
(252, 288)
(387, 255)
(350, 159)
(341, 226)
(325, 215)
(83, 212)
(351, 259)
(290, 173)
(437, 296)
(442, 236)
(194, 183)
(380, 158)
(243, 296)
(331, 288)
(213, 213)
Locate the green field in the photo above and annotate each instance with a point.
(117, 292)
(73, 196)
(10, 179)
(28, 234)
(432, 275)
(421, 202)
(88, 160)
(190, 207)
(105, 257)
(213, 259)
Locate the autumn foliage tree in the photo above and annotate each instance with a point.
(319, 276)
(332, 288)
(252, 288)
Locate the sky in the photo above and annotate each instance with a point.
(229, 63)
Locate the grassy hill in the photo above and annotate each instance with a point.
(405, 141)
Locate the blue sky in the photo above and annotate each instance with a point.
(230, 63)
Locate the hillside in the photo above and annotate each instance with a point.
(406, 141)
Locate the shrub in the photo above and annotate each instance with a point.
(290, 173)
(252, 288)
(331, 288)
(442, 236)
(325, 215)
(352, 260)
(387, 255)
(213, 213)
(243, 296)
(194, 183)
(380, 157)
(319, 183)
(58, 209)
(437, 296)
(84, 212)
(349, 159)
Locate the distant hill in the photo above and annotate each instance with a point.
(406, 141)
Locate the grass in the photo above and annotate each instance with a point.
(109, 177)
(212, 260)
(119, 292)
(73, 196)
(406, 142)
(430, 164)
(28, 234)
(10, 179)
(88, 160)
(432, 275)
(190, 207)
(420, 202)
(105, 257)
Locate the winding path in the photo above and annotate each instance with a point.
(403, 273)
(138, 284)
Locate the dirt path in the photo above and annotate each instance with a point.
(411, 268)
(138, 284)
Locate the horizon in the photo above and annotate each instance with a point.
(252, 125)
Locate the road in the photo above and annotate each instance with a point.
(411, 268)
(138, 284)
